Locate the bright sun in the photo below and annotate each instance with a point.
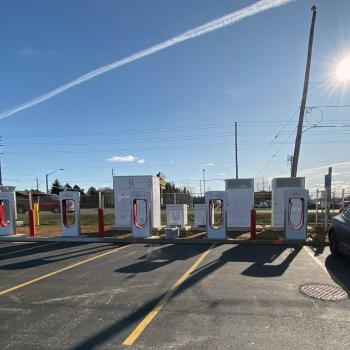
(343, 70)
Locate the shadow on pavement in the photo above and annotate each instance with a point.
(40, 248)
(318, 250)
(257, 255)
(260, 256)
(12, 248)
(163, 256)
(55, 258)
(339, 270)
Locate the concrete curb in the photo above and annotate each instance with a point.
(288, 243)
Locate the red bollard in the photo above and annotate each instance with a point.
(31, 223)
(101, 224)
(253, 224)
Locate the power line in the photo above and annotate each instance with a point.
(277, 151)
(273, 139)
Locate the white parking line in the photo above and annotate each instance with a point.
(318, 262)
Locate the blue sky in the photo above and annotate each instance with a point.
(173, 111)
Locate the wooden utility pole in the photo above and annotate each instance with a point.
(304, 97)
(236, 150)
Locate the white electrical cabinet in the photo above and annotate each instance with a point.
(279, 187)
(200, 214)
(176, 214)
(240, 202)
(123, 186)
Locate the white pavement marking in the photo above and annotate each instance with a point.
(85, 295)
(318, 262)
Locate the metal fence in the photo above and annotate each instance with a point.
(106, 200)
(90, 203)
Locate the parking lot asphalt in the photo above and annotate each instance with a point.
(106, 296)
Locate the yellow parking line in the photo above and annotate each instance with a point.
(153, 313)
(53, 273)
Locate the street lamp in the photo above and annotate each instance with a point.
(47, 179)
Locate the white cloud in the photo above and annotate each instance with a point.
(209, 164)
(128, 158)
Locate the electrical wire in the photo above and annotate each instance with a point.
(272, 141)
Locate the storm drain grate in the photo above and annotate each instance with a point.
(323, 292)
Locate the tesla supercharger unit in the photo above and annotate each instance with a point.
(279, 187)
(123, 186)
(141, 204)
(216, 214)
(240, 202)
(70, 213)
(295, 214)
(176, 214)
(200, 214)
(7, 213)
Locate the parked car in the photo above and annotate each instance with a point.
(262, 205)
(70, 206)
(48, 202)
(339, 233)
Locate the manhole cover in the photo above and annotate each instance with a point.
(323, 292)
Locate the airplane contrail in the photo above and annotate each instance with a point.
(211, 26)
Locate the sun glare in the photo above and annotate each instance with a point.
(343, 70)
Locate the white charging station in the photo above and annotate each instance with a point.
(176, 214)
(141, 204)
(240, 202)
(200, 214)
(216, 214)
(7, 213)
(70, 213)
(295, 214)
(279, 187)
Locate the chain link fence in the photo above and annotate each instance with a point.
(49, 206)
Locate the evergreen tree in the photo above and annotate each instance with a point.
(92, 191)
(78, 189)
(56, 187)
(68, 187)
